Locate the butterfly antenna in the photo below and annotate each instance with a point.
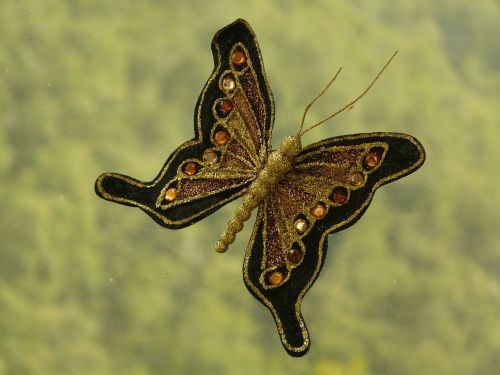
(348, 105)
(317, 97)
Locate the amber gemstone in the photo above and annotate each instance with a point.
(276, 278)
(221, 137)
(301, 225)
(226, 106)
(239, 58)
(295, 255)
(210, 157)
(170, 195)
(190, 168)
(319, 211)
(228, 83)
(339, 195)
(372, 159)
(356, 178)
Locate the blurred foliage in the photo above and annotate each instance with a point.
(89, 287)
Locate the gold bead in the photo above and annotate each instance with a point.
(250, 202)
(220, 247)
(243, 213)
(235, 226)
(228, 237)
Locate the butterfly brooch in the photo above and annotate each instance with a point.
(303, 194)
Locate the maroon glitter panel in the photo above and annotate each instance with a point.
(202, 187)
(236, 148)
(333, 156)
(291, 198)
(334, 172)
(275, 255)
(248, 117)
(229, 161)
(251, 89)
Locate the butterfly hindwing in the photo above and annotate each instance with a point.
(329, 188)
(233, 122)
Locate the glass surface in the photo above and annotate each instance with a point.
(91, 287)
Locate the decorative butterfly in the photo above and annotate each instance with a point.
(302, 193)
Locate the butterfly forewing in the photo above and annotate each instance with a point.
(233, 121)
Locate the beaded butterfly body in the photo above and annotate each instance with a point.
(302, 194)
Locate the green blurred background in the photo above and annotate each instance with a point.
(90, 287)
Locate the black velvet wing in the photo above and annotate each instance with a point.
(330, 187)
(232, 124)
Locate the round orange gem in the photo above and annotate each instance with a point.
(301, 225)
(221, 137)
(170, 195)
(372, 159)
(226, 106)
(276, 278)
(356, 178)
(339, 195)
(190, 168)
(239, 58)
(319, 211)
(210, 157)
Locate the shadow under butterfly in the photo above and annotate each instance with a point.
(302, 193)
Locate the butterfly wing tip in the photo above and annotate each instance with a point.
(241, 20)
(232, 29)
(421, 151)
(118, 188)
(418, 154)
(297, 352)
(98, 186)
